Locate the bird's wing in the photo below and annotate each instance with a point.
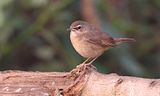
(101, 39)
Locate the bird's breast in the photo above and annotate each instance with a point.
(85, 48)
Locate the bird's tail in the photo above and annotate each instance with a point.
(123, 40)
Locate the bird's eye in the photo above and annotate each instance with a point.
(78, 27)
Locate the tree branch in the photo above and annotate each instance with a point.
(81, 81)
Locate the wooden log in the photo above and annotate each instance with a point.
(81, 81)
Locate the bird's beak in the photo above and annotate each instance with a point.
(68, 29)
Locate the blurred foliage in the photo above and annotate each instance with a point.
(33, 35)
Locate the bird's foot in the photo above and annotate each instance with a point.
(82, 67)
(85, 65)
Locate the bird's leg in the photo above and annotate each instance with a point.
(87, 60)
(84, 65)
(92, 60)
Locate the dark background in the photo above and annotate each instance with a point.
(33, 35)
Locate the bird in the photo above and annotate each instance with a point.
(91, 42)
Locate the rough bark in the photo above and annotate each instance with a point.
(81, 81)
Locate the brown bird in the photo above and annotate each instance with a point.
(90, 42)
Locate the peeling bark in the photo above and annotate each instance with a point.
(81, 81)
